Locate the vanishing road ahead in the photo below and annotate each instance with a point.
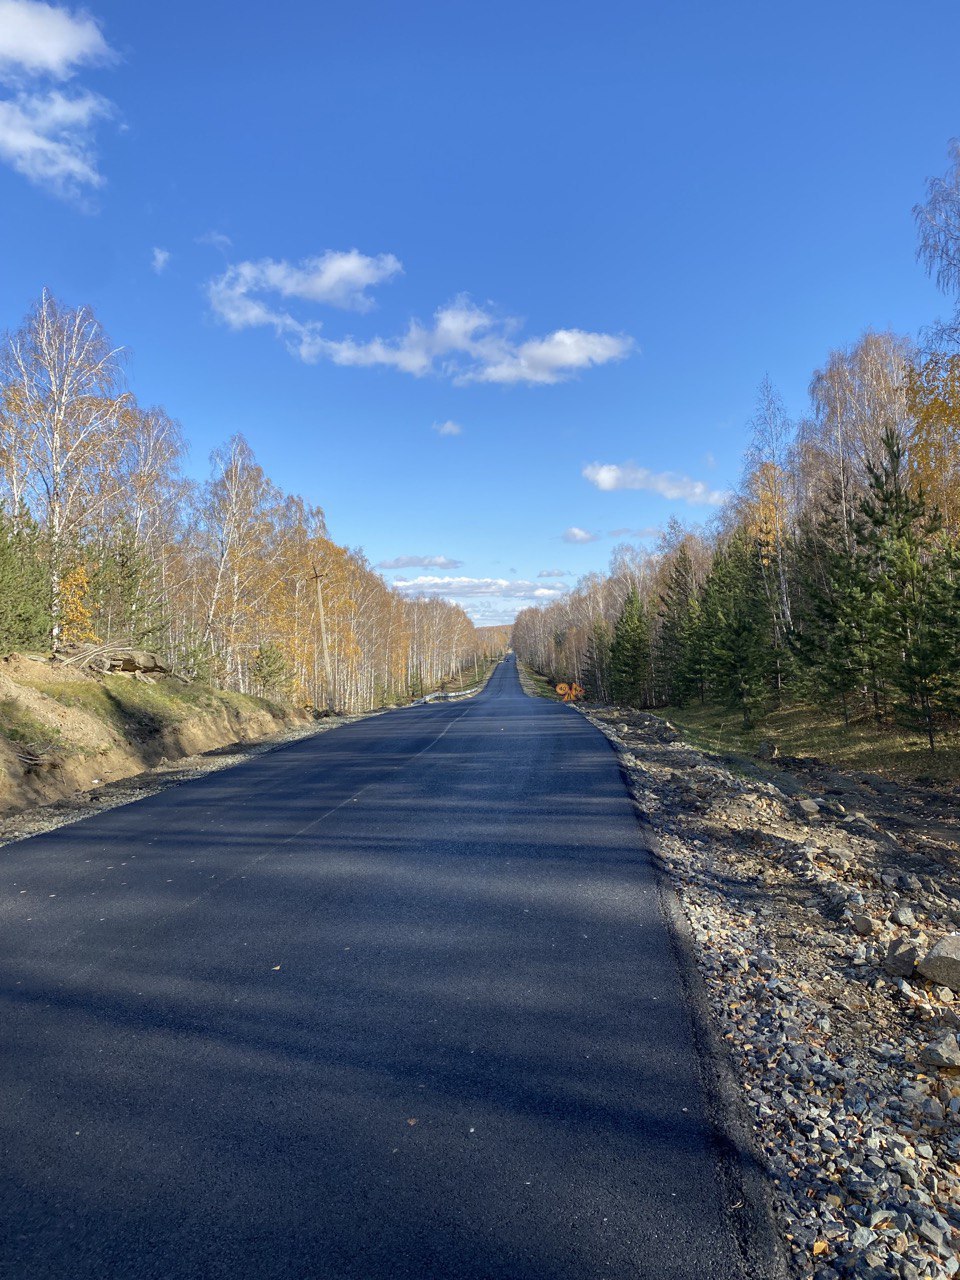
(396, 1002)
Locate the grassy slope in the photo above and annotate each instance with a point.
(539, 684)
(136, 709)
(813, 731)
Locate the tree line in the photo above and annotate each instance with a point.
(831, 574)
(104, 540)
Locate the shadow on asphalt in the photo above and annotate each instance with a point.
(377, 1004)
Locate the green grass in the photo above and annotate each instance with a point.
(541, 685)
(127, 705)
(24, 730)
(813, 731)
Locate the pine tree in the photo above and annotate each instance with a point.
(271, 673)
(630, 654)
(126, 591)
(25, 606)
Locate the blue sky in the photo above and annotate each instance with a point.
(580, 233)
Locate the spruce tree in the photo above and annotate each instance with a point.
(630, 654)
(833, 642)
(914, 595)
(737, 629)
(681, 672)
(596, 671)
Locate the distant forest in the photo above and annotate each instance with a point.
(103, 540)
(832, 573)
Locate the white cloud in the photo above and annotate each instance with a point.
(468, 344)
(420, 562)
(335, 279)
(464, 342)
(448, 428)
(669, 484)
(466, 588)
(573, 534)
(47, 40)
(159, 259)
(46, 134)
(554, 573)
(554, 358)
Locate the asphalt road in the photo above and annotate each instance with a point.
(392, 1003)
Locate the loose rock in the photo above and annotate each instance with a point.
(942, 1052)
(942, 963)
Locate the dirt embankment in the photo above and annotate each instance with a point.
(65, 731)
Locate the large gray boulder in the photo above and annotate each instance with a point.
(942, 962)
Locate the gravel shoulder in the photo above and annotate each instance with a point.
(812, 898)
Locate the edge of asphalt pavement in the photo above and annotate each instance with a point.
(745, 1181)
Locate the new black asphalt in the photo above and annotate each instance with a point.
(396, 1002)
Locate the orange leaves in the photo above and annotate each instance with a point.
(76, 617)
(933, 402)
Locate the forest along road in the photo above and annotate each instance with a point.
(396, 1001)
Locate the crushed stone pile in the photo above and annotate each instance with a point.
(830, 953)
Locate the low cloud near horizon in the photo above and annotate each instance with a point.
(464, 588)
(420, 562)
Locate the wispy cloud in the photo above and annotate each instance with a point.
(609, 476)
(159, 259)
(554, 573)
(573, 534)
(46, 132)
(463, 342)
(448, 587)
(420, 562)
(216, 240)
(651, 531)
(448, 428)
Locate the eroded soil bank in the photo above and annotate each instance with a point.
(65, 732)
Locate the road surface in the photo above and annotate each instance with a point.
(396, 1002)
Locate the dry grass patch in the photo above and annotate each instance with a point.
(812, 732)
